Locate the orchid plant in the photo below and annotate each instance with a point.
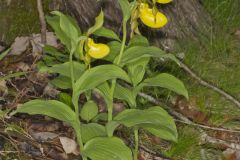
(126, 63)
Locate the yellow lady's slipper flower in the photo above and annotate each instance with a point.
(163, 1)
(97, 50)
(157, 20)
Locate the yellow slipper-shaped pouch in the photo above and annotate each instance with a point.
(97, 50)
(149, 19)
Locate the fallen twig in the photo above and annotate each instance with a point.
(209, 85)
(210, 127)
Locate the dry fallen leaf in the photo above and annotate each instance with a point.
(230, 154)
(69, 145)
(50, 90)
(3, 88)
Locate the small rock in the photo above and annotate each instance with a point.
(36, 42)
(19, 46)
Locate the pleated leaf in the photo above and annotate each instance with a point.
(92, 130)
(107, 148)
(93, 77)
(167, 81)
(134, 53)
(154, 119)
(51, 108)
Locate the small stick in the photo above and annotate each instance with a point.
(208, 85)
(209, 127)
(42, 22)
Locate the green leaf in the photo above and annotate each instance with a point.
(12, 75)
(92, 130)
(105, 32)
(115, 48)
(61, 82)
(66, 99)
(167, 81)
(68, 28)
(107, 148)
(126, 10)
(51, 108)
(47, 61)
(54, 52)
(135, 53)
(64, 69)
(3, 54)
(105, 91)
(125, 94)
(89, 111)
(75, 24)
(155, 119)
(100, 117)
(93, 77)
(110, 127)
(98, 23)
(137, 69)
(138, 40)
(54, 22)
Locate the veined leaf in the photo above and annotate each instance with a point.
(105, 32)
(135, 53)
(126, 10)
(154, 119)
(93, 77)
(107, 148)
(54, 22)
(54, 52)
(75, 24)
(125, 94)
(92, 130)
(64, 69)
(89, 111)
(138, 40)
(167, 81)
(68, 28)
(3, 54)
(66, 99)
(51, 108)
(62, 82)
(98, 23)
(115, 48)
(105, 91)
(137, 69)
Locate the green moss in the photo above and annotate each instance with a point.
(20, 18)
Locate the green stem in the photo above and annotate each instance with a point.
(123, 42)
(77, 126)
(110, 109)
(135, 154)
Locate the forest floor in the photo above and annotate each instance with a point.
(215, 59)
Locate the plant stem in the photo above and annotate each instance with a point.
(135, 154)
(123, 42)
(77, 127)
(110, 109)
